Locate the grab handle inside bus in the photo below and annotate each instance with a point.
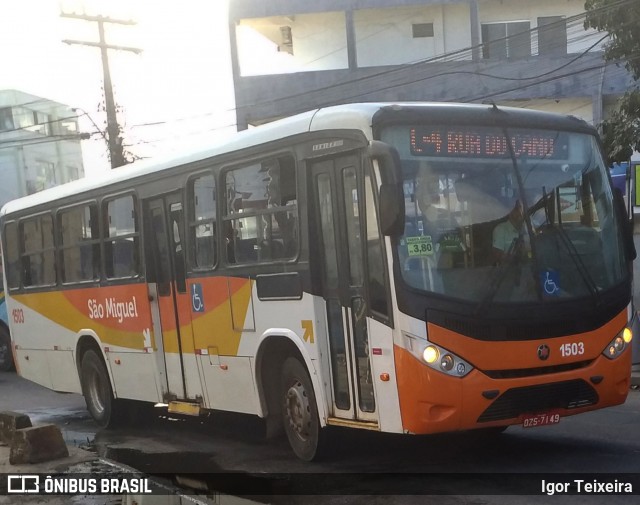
(391, 200)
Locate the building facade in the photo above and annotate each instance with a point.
(39, 144)
(293, 55)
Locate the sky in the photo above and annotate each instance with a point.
(177, 92)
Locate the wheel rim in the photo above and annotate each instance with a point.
(298, 410)
(95, 391)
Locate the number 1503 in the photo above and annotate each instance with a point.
(575, 349)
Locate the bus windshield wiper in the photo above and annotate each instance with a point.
(580, 266)
(512, 256)
(499, 274)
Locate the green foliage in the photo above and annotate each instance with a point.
(621, 131)
(621, 19)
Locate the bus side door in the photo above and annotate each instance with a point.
(165, 239)
(337, 184)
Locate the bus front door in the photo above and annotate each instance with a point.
(169, 296)
(337, 186)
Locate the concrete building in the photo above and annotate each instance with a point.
(294, 55)
(39, 144)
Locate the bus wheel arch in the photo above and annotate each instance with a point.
(95, 382)
(286, 389)
(271, 354)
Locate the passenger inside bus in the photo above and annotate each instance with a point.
(281, 192)
(262, 205)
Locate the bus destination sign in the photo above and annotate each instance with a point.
(463, 142)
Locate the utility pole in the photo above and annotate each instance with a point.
(116, 153)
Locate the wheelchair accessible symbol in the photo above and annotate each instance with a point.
(551, 283)
(197, 301)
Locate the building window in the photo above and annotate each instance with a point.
(261, 212)
(552, 35)
(41, 176)
(202, 221)
(421, 30)
(31, 120)
(506, 40)
(286, 40)
(6, 119)
(79, 244)
(72, 173)
(121, 248)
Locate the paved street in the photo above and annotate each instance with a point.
(606, 441)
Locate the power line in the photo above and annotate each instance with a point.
(518, 88)
(4, 144)
(23, 104)
(439, 58)
(461, 55)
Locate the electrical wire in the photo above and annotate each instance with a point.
(452, 56)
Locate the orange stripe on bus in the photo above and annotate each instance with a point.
(120, 315)
(523, 354)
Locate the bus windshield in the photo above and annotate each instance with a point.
(506, 215)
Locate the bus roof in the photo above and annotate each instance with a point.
(357, 116)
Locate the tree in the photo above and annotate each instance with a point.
(621, 19)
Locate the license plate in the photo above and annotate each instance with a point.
(545, 419)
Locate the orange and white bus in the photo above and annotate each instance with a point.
(406, 268)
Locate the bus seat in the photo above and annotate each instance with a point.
(245, 250)
(124, 262)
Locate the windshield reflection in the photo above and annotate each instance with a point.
(527, 216)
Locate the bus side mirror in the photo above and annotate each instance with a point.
(391, 198)
(626, 224)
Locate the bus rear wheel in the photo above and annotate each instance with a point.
(6, 356)
(96, 388)
(300, 412)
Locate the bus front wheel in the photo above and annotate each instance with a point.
(300, 411)
(96, 389)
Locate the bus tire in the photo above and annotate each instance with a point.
(6, 355)
(96, 389)
(300, 412)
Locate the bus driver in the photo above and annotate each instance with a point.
(508, 235)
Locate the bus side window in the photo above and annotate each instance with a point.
(202, 221)
(122, 255)
(262, 209)
(12, 252)
(78, 238)
(377, 281)
(38, 259)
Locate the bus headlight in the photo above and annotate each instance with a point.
(618, 344)
(430, 354)
(447, 362)
(437, 357)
